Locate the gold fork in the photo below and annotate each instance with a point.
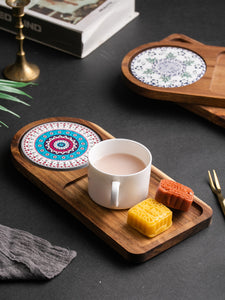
(217, 189)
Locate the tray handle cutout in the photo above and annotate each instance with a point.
(181, 38)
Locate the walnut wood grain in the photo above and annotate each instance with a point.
(215, 115)
(69, 189)
(209, 90)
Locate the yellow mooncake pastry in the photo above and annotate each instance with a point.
(150, 217)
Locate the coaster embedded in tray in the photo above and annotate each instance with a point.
(68, 187)
(177, 69)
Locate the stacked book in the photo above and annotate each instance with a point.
(74, 26)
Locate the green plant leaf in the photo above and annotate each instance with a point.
(15, 83)
(1, 123)
(9, 89)
(9, 86)
(12, 98)
(9, 111)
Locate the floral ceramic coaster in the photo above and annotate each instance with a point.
(168, 67)
(59, 145)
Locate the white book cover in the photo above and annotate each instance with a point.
(94, 20)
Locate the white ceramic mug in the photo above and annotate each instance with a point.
(118, 191)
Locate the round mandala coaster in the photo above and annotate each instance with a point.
(59, 145)
(168, 67)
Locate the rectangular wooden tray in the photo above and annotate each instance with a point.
(69, 189)
(212, 113)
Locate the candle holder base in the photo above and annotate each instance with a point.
(21, 70)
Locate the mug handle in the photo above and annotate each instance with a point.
(115, 193)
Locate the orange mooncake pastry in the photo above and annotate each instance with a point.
(150, 217)
(174, 194)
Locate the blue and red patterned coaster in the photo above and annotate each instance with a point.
(59, 145)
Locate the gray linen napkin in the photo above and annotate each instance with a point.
(25, 256)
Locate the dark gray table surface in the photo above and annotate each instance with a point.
(183, 145)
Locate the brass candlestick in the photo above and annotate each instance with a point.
(21, 70)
